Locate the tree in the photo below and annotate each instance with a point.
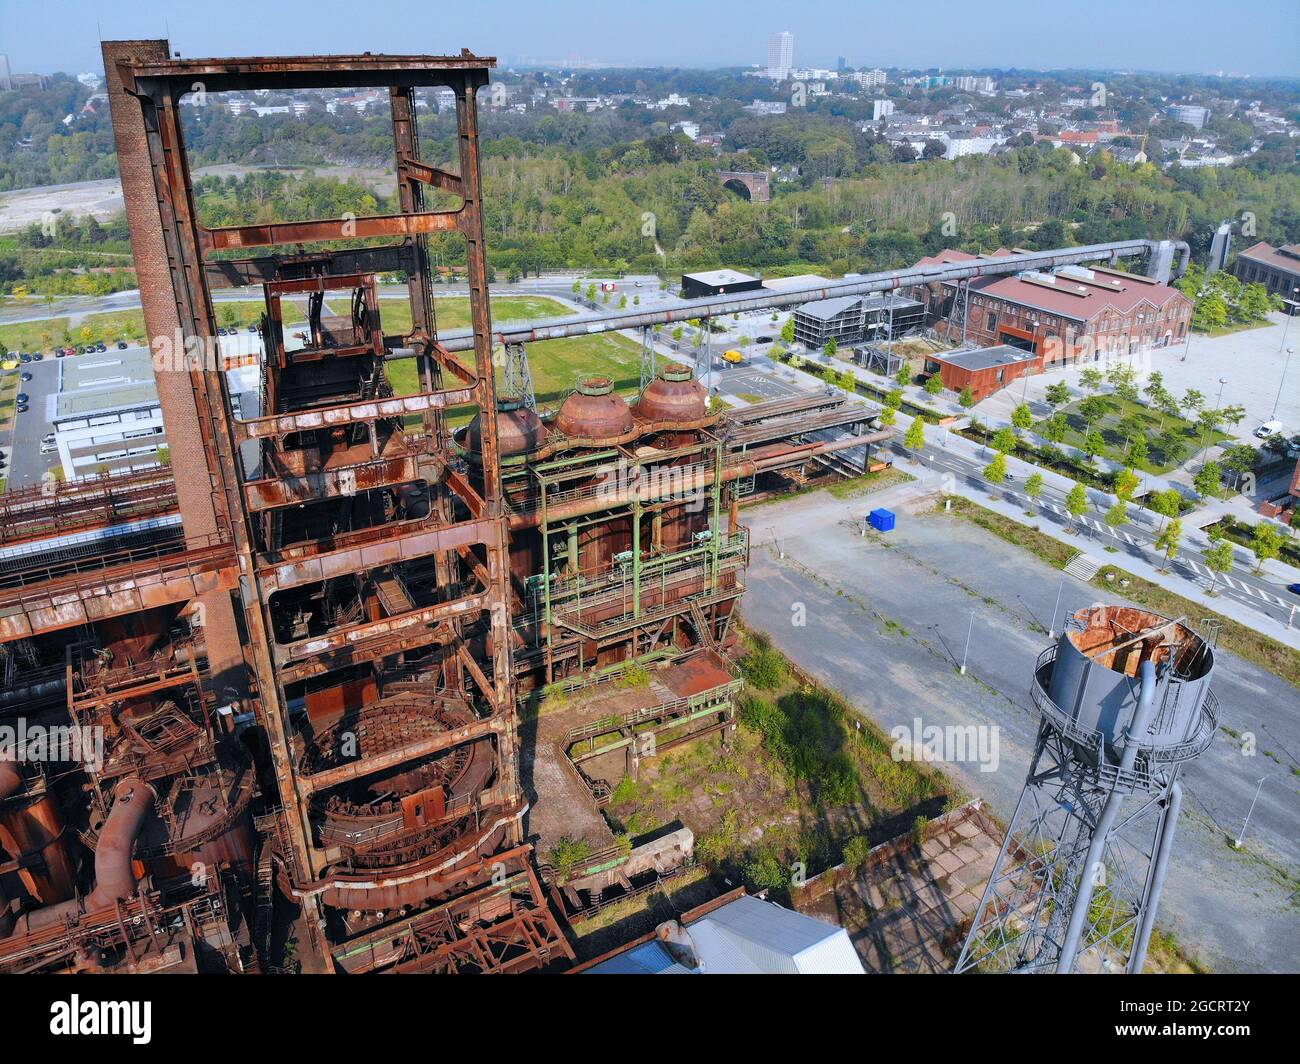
(1034, 487)
(1055, 428)
(1117, 514)
(1218, 559)
(996, 471)
(1192, 400)
(915, 438)
(1168, 540)
(1093, 444)
(1173, 446)
(1167, 503)
(966, 398)
(1265, 544)
(1092, 409)
(577, 286)
(1076, 503)
(1208, 479)
(832, 346)
(1138, 450)
(1126, 483)
(787, 331)
(1090, 379)
(933, 384)
(1004, 441)
(1058, 394)
(904, 375)
(1021, 417)
(888, 415)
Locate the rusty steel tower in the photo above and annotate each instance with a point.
(1125, 701)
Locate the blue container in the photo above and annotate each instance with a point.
(881, 520)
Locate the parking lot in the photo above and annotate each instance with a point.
(26, 463)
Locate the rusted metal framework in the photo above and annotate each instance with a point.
(305, 682)
(301, 648)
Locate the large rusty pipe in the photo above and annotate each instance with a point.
(654, 488)
(10, 783)
(133, 801)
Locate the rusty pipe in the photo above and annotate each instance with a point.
(133, 801)
(10, 783)
(651, 489)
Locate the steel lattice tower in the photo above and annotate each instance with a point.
(1125, 701)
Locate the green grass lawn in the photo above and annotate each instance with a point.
(557, 365)
(1117, 410)
(452, 312)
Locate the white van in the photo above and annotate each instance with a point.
(1269, 428)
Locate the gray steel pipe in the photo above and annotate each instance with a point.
(885, 280)
(1138, 958)
(1097, 847)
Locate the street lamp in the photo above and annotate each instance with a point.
(1218, 405)
(1287, 324)
(1285, 364)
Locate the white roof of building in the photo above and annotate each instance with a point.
(748, 936)
(717, 277)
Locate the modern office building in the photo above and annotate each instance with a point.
(780, 55)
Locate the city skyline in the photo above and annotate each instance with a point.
(999, 39)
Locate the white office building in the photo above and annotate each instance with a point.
(780, 55)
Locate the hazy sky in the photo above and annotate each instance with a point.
(1196, 36)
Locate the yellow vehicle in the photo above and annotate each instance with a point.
(9, 364)
(734, 357)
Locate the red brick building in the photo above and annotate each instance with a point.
(1073, 315)
(984, 370)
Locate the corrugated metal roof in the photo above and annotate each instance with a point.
(825, 309)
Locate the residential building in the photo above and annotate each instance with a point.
(767, 107)
(881, 109)
(1277, 269)
(870, 79)
(780, 55)
(1190, 114)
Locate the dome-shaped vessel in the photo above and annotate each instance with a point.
(673, 396)
(519, 430)
(594, 411)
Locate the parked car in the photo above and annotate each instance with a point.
(25, 377)
(21, 408)
(23, 397)
(38, 357)
(49, 448)
(48, 438)
(1293, 588)
(1269, 428)
(121, 345)
(101, 346)
(23, 356)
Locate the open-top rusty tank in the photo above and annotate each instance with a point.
(594, 411)
(1107, 661)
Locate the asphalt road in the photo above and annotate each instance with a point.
(1136, 538)
(26, 463)
(887, 622)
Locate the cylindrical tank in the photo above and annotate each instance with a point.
(594, 411)
(519, 430)
(1095, 679)
(673, 396)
